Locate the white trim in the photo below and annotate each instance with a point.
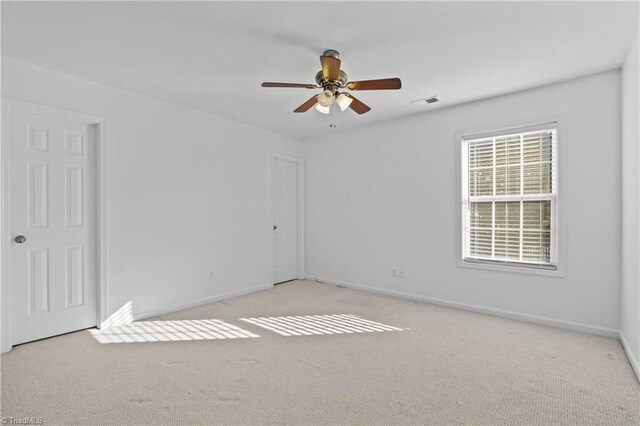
(5, 314)
(523, 197)
(632, 359)
(508, 129)
(535, 319)
(301, 212)
(102, 250)
(493, 205)
(199, 302)
(559, 237)
(514, 268)
(48, 111)
(9, 105)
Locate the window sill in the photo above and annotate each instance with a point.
(510, 268)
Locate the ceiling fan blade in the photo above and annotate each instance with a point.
(295, 85)
(358, 106)
(382, 84)
(330, 67)
(305, 106)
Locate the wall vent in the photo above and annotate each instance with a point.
(430, 100)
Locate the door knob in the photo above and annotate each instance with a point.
(20, 239)
(275, 227)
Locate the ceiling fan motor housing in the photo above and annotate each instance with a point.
(332, 85)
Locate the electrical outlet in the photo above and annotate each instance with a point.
(397, 272)
(211, 274)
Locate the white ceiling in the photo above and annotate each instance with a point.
(213, 56)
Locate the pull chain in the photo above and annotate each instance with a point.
(332, 115)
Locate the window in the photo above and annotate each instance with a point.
(509, 190)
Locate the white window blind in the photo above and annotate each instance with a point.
(509, 190)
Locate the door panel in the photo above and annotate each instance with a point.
(52, 274)
(285, 214)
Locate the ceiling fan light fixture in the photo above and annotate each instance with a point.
(323, 109)
(343, 101)
(326, 98)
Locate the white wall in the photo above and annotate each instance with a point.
(187, 191)
(385, 196)
(630, 292)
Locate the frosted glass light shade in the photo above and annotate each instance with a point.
(325, 98)
(343, 101)
(322, 109)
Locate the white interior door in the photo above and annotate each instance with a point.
(285, 214)
(52, 254)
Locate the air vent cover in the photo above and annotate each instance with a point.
(429, 100)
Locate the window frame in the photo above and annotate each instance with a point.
(557, 226)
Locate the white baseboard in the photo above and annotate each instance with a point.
(632, 359)
(192, 304)
(568, 325)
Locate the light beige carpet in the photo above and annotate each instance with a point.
(451, 367)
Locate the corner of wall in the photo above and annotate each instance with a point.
(630, 355)
(630, 241)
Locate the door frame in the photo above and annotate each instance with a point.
(301, 213)
(10, 105)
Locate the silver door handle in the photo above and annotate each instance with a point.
(20, 239)
(275, 227)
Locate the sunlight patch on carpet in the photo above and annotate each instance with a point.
(171, 331)
(122, 316)
(309, 325)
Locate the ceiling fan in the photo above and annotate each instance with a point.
(332, 79)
